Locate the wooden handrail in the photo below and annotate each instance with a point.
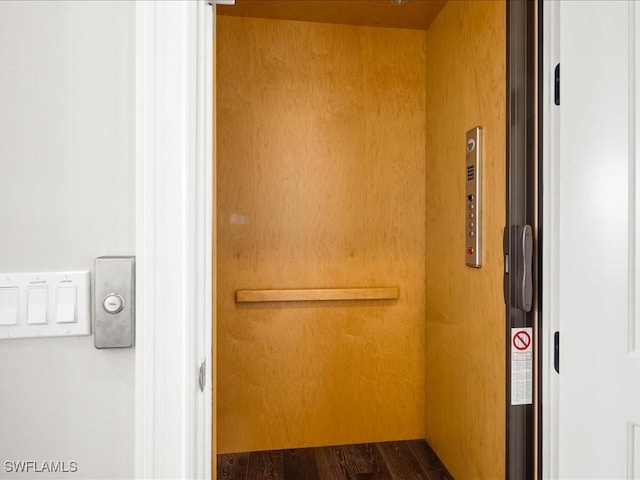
(316, 294)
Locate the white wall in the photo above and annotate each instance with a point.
(66, 196)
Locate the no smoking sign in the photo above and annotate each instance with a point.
(521, 340)
(521, 366)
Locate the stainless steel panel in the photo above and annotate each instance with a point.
(473, 199)
(114, 302)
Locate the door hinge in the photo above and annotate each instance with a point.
(202, 376)
(556, 352)
(556, 83)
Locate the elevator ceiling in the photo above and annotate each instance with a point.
(413, 14)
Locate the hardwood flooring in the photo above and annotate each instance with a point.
(402, 460)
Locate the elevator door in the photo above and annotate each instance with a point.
(596, 242)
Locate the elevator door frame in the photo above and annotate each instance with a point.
(521, 431)
(521, 444)
(174, 239)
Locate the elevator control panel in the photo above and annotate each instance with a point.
(473, 198)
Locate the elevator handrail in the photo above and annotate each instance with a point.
(317, 294)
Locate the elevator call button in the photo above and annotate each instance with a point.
(113, 303)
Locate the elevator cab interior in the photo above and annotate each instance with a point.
(340, 169)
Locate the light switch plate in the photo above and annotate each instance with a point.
(32, 299)
(114, 302)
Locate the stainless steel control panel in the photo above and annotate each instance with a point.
(114, 302)
(473, 198)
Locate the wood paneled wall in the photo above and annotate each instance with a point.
(465, 313)
(321, 167)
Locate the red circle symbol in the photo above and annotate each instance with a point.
(521, 340)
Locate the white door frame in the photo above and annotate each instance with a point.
(611, 289)
(550, 226)
(174, 215)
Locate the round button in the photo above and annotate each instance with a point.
(113, 303)
(471, 144)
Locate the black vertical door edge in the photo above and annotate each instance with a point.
(540, 245)
(521, 195)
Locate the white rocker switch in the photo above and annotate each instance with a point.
(9, 306)
(37, 305)
(66, 305)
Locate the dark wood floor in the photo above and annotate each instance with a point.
(403, 460)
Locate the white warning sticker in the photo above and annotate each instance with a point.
(521, 366)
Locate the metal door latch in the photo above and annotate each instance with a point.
(518, 251)
(202, 376)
